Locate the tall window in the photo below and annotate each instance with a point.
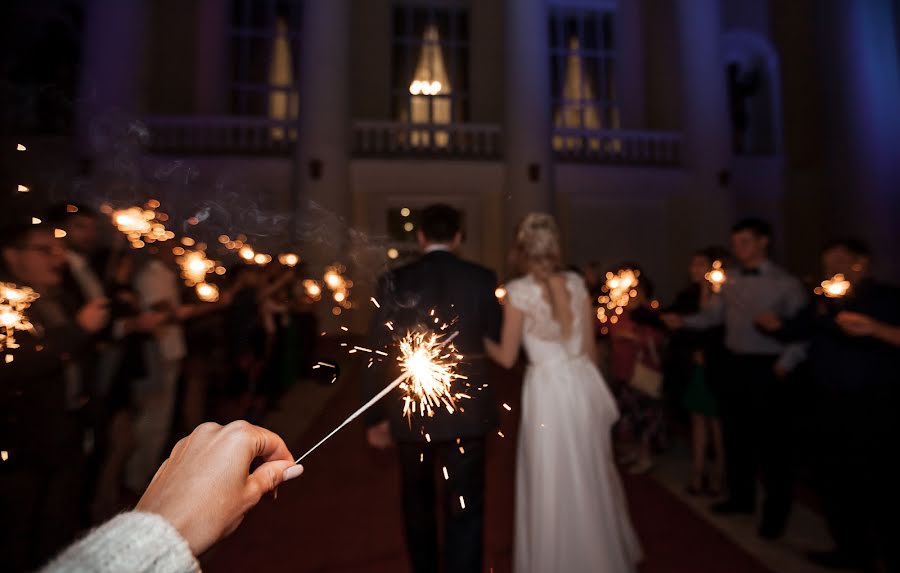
(583, 73)
(430, 67)
(264, 57)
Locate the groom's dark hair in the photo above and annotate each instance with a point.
(440, 223)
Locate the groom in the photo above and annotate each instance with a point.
(451, 445)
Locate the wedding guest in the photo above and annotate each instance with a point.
(42, 463)
(199, 496)
(693, 362)
(854, 400)
(756, 399)
(636, 346)
(159, 289)
(116, 442)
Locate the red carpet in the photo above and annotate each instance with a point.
(343, 515)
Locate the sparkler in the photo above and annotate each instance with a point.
(835, 287)
(141, 225)
(14, 301)
(431, 364)
(716, 276)
(340, 286)
(618, 290)
(288, 259)
(207, 292)
(195, 266)
(422, 364)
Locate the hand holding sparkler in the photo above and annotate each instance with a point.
(856, 324)
(94, 315)
(205, 487)
(768, 321)
(672, 321)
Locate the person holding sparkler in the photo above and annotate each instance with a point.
(571, 513)
(853, 402)
(199, 495)
(41, 436)
(756, 399)
(693, 369)
(425, 297)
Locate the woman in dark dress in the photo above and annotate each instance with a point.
(693, 364)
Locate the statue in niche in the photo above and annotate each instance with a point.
(743, 86)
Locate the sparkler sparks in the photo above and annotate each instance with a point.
(340, 286)
(207, 292)
(716, 276)
(141, 226)
(423, 366)
(14, 301)
(430, 370)
(835, 287)
(288, 259)
(618, 291)
(195, 266)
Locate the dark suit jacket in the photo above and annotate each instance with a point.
(457, 291)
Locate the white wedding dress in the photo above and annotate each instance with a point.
(571, 513)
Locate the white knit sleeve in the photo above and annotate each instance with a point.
(132, 541)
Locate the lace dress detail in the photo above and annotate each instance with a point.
(540, 325)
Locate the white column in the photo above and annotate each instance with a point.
(706, 148)
(211, 68)
(323, 151)
(862, 88)
(113, 61)
(529, 166)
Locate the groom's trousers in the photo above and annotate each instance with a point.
(423, 468)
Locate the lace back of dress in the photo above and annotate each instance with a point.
(541, 321)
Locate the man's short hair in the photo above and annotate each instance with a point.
(757, 226)
(855, 246)
(440, 223)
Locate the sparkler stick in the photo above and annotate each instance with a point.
(384, 392)
(387, 390)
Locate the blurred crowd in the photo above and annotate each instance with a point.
(125, 360)
(775, 382)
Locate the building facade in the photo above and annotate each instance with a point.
(646, 126)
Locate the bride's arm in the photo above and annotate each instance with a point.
(589, 340)
(506, 353)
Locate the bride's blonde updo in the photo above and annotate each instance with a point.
(537, 249)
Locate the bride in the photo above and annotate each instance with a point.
(571, 513)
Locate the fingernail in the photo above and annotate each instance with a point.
(293, 472)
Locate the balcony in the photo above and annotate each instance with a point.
(221, 135)
(618, 147)
(427, 141)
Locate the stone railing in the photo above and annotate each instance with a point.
(228, 135)
(431, 141)
(618, 147)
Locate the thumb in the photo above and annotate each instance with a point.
(267, 477)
